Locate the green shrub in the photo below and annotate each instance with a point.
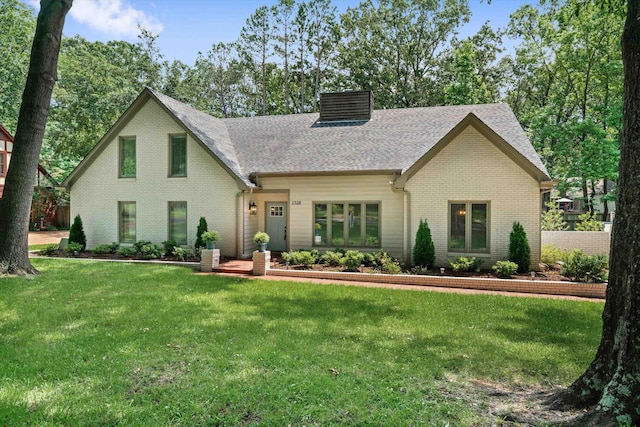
(372, 242)
(126, 251)
(588, 222)
(581, 267)
(73, 247)
(210, 236)
(146, 249)
(466, 264)
(424, 253)
(202, 227)
(553, 218)
(48, 250)
(352, 260)
(182, 253)
(332, 258)
(287, 258)
(551, 254)
(114, 247)
(505, 269)
(390, 266)
(102, 249)
(519, 250)
(304, 258)
(76, 233)
(168, 246)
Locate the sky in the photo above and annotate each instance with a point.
(186, 27)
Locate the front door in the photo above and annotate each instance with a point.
(277, 226)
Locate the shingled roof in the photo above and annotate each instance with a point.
(393, 140)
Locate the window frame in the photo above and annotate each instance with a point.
(172, 138)
(170, 230)
(121, 142)
(363, 224)
(121, 238)
(469, 227)
(3, 163)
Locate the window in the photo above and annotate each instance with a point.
(3, 158)
(127, 157)
(178, 155)
(178, 222)
(276, 211)
(342, 224)
(469, 227)
(127, 222)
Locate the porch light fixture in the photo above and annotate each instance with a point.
(253, 209)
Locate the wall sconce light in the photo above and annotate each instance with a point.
(253, 209)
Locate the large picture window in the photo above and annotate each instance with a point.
(469, 227)
(127, 157)
(127, 222)
(178, 222)
(347, 224)
(178, 155)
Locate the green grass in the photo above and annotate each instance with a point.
(106, 344)
(39, 247)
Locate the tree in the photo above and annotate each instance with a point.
(466, 86)
(611, 383)
(202, 227)
(322, 37)
(519, 249)
(553, 218)
(283, 15)
(76, 233)
(16, 38)
(393, 47)
(16, 199)
(424, 253)
(255, 42)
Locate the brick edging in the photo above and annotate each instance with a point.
(588, 290)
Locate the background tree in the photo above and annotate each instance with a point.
(16, 199)
(323, 36)
(553, 218)
(16, 38)
(255, 45)
(393, 48)
(283, 16)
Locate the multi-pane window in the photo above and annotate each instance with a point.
(178, 222)
(127, 157)
(469, 227)
(341, 224)
(178, 155)
(127, 222)
(3, 158)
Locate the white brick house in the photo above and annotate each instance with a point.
(349, 177)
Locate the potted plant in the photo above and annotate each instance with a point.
(318, 237)
(261, 239)
(211, 238)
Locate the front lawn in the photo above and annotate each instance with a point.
(93, 343)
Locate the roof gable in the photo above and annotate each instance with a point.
(472, 120)
(206, 130)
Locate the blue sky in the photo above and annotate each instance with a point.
(186, 27)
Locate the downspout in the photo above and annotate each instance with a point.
(406, 219)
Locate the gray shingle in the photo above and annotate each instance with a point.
(391, 140)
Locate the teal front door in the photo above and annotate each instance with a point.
(276, 224)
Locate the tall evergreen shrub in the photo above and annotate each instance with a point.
(519, 250)
(76, 233)
(202, 227)
(424, 253)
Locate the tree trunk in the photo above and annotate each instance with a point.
(612, 381)
(23, 169)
